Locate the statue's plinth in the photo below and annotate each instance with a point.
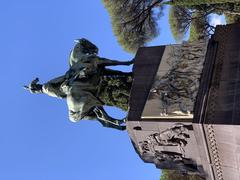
(185, 120)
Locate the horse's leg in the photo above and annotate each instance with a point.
(108, 62)
(108, 121)
(115, 72)
(108, 125)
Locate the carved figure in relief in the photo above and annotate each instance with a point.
(174, 136)
(177, 89)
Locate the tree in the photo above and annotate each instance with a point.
(172, 175)
(135, 21)
(196, 18)
(200, 28)
(232, 18)
(179, 19)
(200, 2)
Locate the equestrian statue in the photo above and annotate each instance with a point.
(88, 85)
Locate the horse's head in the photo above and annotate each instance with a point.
(81, 50)
(86, 47)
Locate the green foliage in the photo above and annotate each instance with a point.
(198, 28)
(232, 18)
(134, 22)
(115, 91)
(194, 36)
(164, 175)
(179, 20)
(175, 175)
(197, 2)
(132, 25)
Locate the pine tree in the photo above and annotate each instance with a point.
(200, 28)
(179, 19)
(134, 22)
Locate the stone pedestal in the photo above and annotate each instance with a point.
(185, 105)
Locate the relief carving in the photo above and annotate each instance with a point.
(177, 89)
(176, 135)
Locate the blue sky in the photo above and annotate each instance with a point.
(37, 141)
